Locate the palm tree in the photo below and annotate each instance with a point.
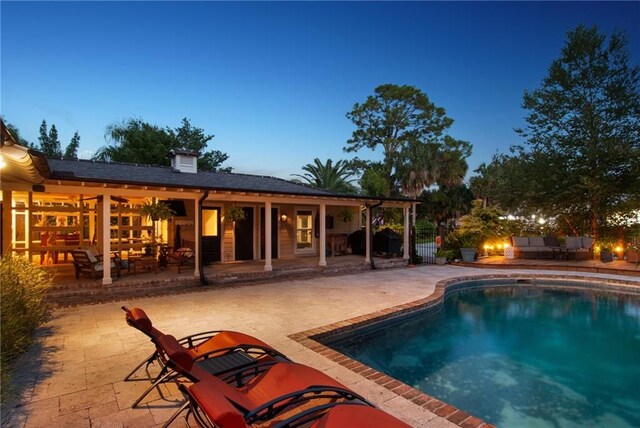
(327, 176)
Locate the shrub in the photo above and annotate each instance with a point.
(22, 307)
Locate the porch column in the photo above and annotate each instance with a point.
(7, 221)
(106, 240)
(414, 210)
(367, 230)
(405, 255)
(267, 237)
(197, 234)
(323, 235)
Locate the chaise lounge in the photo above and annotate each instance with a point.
(241, 350)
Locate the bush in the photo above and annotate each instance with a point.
(22, 307)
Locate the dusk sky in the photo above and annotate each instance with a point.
(273, 81)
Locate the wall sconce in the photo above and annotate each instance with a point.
(283, 218)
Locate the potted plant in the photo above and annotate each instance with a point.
(606, 254)
(443, 256)
(469, 247)
(155, 210)
(234, 213)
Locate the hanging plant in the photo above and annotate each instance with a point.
(156, 210)
(234, 213)
(344, 215)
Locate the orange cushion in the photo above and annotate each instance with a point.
(228, 339)
(176, 352)
(140, 318)
(355, 416)
(216, 406)
(283, 378)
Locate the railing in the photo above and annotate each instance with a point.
(423, 246)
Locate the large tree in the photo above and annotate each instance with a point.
(410, 130)
(328, 176)
(136, 141)
(71, 152)
(50, 143)
(582, 150)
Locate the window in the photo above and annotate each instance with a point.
(210, 222)
(304, 230)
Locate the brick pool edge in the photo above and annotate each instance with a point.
(312, 338)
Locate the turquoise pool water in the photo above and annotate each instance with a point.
(519, 356)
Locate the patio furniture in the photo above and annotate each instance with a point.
(86, 262)
(143, 262)
(209, 344)
(531, 247)
(580, 246)
(71, 240)
(182, 257)
(274, 393)
(209, 407)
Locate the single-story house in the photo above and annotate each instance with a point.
(50, 205)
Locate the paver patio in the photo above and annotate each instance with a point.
(73, 376)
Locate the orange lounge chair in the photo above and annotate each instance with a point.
(240, 349)
(210, 408)
(265, 394)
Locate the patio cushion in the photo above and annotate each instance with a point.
(587, 242)
(536, 241)
(574, 242)
(520, 241)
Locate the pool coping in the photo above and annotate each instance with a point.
(312, 339)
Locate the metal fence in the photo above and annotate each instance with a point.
(423, 245)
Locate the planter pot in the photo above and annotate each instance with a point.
(606, 256)
(633, 256)
(441, 261)
(468, 254)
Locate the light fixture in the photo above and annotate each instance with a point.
(283, 218)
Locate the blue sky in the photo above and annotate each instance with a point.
(273, 81)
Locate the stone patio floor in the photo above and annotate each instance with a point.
(73, 375)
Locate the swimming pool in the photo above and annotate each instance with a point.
(518, 355)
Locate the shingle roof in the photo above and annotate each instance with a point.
(105, 172)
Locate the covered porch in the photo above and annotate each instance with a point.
(70, 291)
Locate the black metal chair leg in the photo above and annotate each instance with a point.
(175, 415)
(160, 380)
(146, 361)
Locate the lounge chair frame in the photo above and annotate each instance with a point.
(167, 373)
(272, 408)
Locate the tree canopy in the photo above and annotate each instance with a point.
(411, 131)
(581, 156)
(50, 143)
(136, 141)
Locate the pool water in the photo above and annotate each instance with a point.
(519, 356)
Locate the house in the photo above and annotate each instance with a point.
(85, 202)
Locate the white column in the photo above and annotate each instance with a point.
(267, 236)
(106, 240)
(197, 234)
(367, 230)
(405, 256)
(415, 213)
(7, 221)
(323, 235)
(27, 226)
